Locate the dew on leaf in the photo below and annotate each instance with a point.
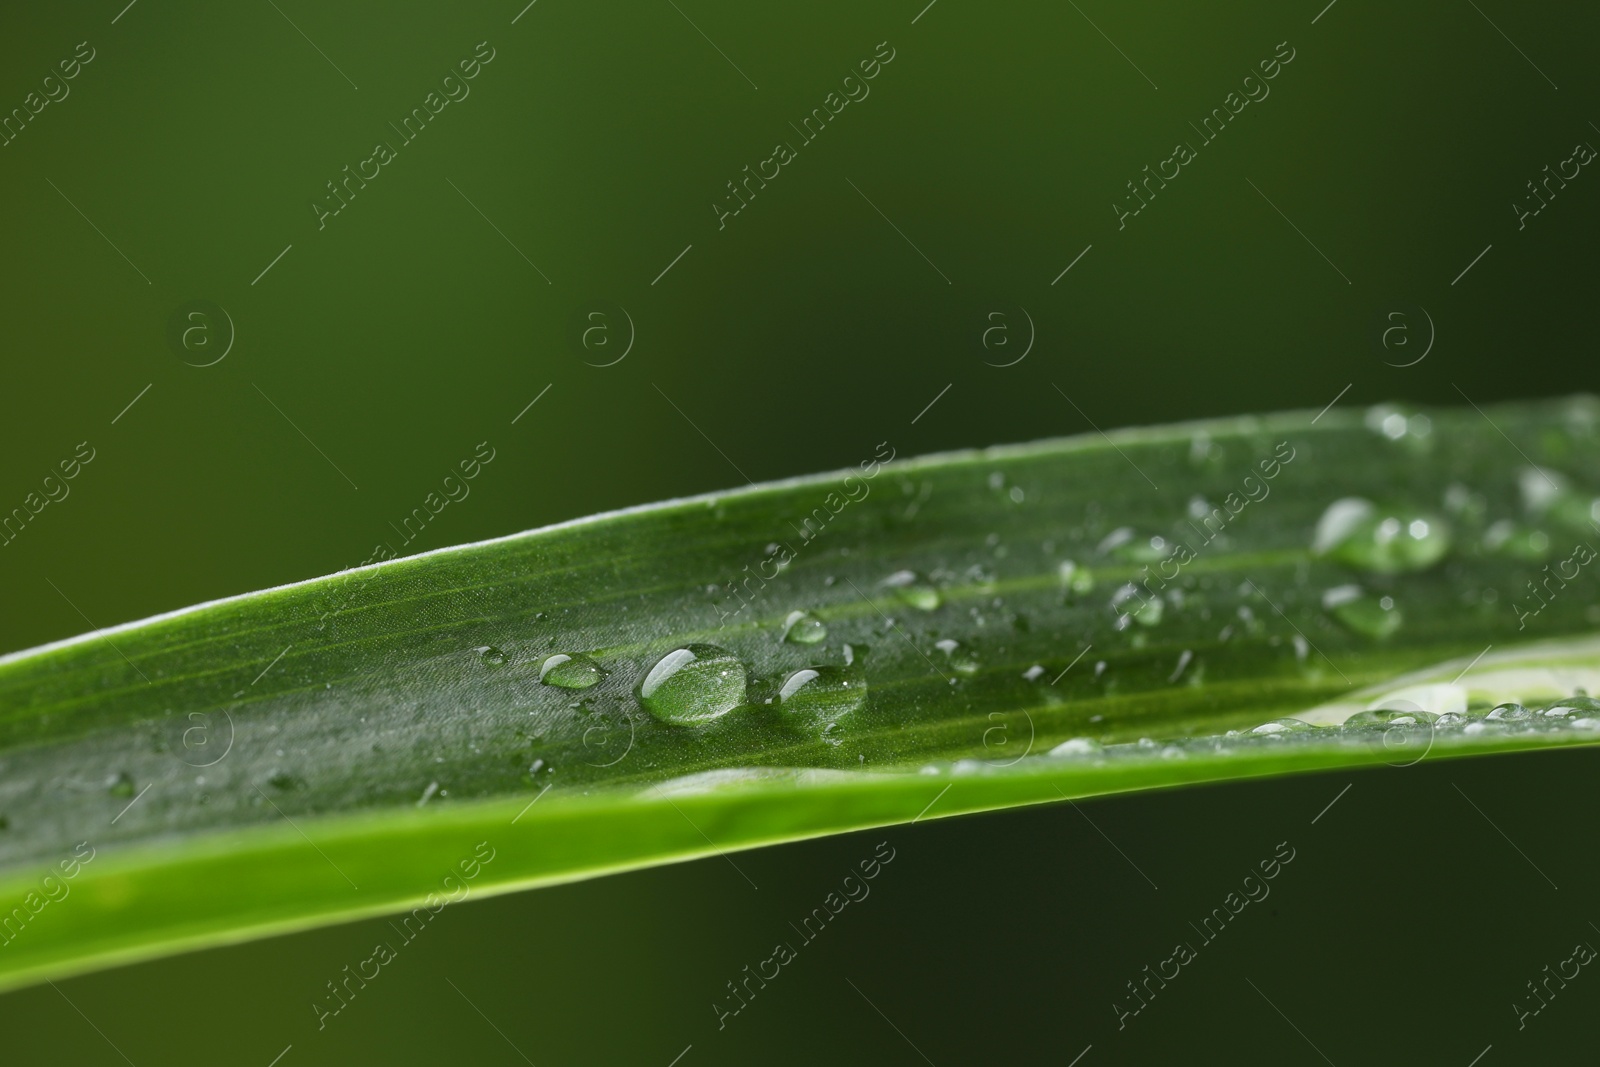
(913, 590)
(693, 684)
(962, 659)
(570, 672)
(1075, 578)
(1391, 717)
(823, 694)
(1390, 540)
(1509, 712)
(1370, 616)
(1078, 746)
(1282, 726)
(804, 628)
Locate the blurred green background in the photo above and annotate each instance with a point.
(364, 358)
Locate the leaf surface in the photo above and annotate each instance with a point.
(986, 629)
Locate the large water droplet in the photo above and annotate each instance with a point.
(1580, 706)
(823, 694)
(1370, 616)
(1509, 712)
(1078, 746)
(804, 628)
(570, 672)
(1391, 717)
(914, 590)
(693, 684)
(1391, 540)
(962, 659)
(1283, 726)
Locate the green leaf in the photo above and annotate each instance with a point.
(914, 640)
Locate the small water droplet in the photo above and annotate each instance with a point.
(823, 694)
(984, 578)
(1075, 578)
(962, 659)
(1541, 488)
(1033, 673)
(693, 684)
(1124, 543)
(490, 656)
(1078, 746)
(1512, 539)
(913, 590)
(570, 672)
(1132, 603)
(1392, 540)
(1370, 616)
(804, 628)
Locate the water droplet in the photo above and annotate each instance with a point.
(490, 656)
(1033, 673)
(1512, 539)
(1391, 424)
(120, 785)
(962, 659)
(804, 628)
(570, 672)
(914, 590)
(1391, 717)
(693, 684)
(1382, 540)
(1581, 706)
(1541, 488)
(1509, 712)
(1148, 612)
(1078, 746)
(1124, 543)
(1282, 726)
(1075, 578)
(1370, 616)
(823, 694)
(981, 576)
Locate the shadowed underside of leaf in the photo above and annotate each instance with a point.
(980, 630)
